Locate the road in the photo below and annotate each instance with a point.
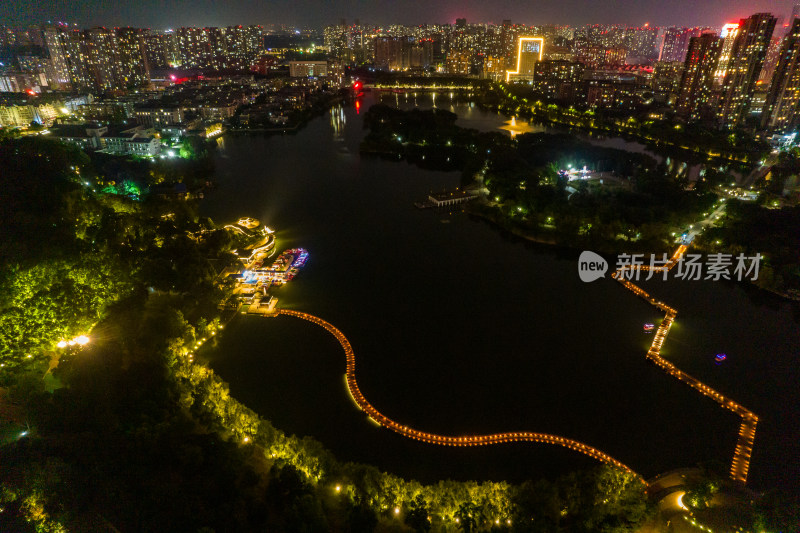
(698, 227)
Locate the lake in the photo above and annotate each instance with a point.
(459, 328)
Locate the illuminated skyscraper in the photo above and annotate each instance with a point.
(771, 60)
(529, 51)
(162, 49)
(782, 109)
(746, 60)
(676, 43)
(728, 35)
(697, 81)
(194, 45)
(389, 53)
(54, 37)
(77, 57)
(133, 68)
(104, 66)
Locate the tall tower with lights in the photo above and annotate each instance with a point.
(697, 81)
(782, 108)
(746, 60)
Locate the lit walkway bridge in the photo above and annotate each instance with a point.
(744, 446)
(747, 432)
(444, 440)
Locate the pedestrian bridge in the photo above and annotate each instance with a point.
(446, 440)
(744, 446)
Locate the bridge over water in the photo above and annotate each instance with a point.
(445, 440)
(744, 446)
(747, 431)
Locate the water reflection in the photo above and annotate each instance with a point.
(515, 128)
(338, 121)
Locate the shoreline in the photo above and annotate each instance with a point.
(520, 233)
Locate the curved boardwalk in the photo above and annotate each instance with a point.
(444, 440)
(744, 445)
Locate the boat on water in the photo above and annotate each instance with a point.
(720, 357)
(649, 327)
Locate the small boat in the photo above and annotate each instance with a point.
(649, 327)
(720, 357)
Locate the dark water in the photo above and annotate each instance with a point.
(460, 329)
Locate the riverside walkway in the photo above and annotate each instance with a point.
(445, 440)
(747, 432)
(744, 446)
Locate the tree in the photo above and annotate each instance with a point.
(360, 519)
(700, 493)
(417, 515)
(467, 516)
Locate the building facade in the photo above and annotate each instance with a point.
(782, 107)
(697, 81)
(530, 51)
(747, 56)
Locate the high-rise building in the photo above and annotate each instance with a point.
(54, 37)
(104, 67)
(506, 40)
(418, 55)
(459, 62)
(253, 42)
(162, 49)
(133, 68)
(494, 68)
(795, 13)
(697, 81)
(76, 52)
(641, 42)
(728, 34)
(747, 58)
(676, 43)
(782, 108)
(667, 78)
(558, 79)
(771, 60)
(194, 47)
(529, 51)
(389, 53)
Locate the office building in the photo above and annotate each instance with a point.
(529, 52)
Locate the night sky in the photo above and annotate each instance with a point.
(161, 14)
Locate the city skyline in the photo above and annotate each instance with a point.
(316, 14)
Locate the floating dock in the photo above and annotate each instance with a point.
(445, 199)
